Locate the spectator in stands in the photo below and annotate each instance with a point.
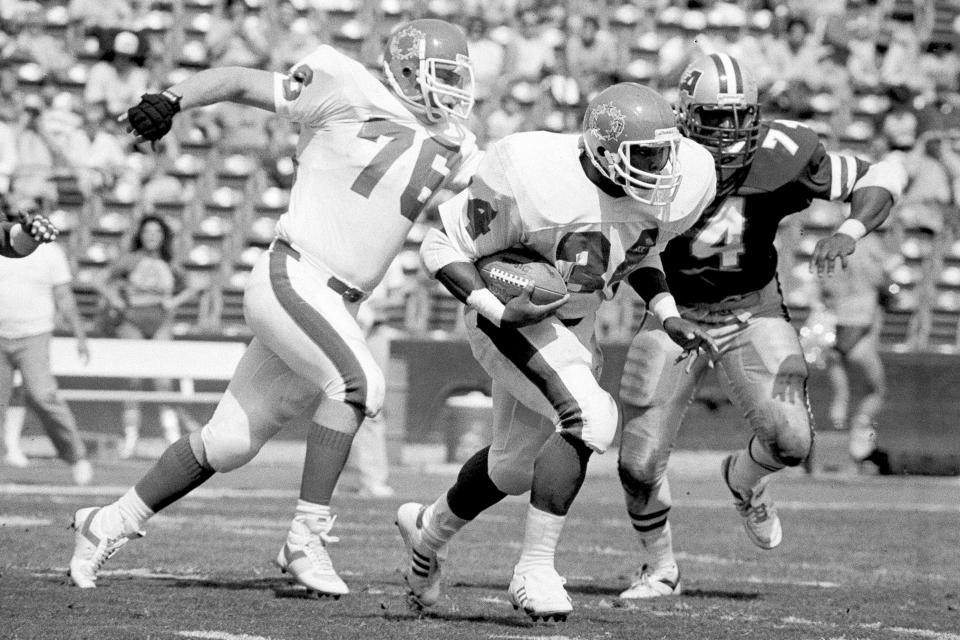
(508, 118)
(239, 37)
(8, 152)
(487, 56)
(795, 60)
(299, 38)
(119, 79)
(104, 154)
(32, 290)
(33, 174)
(530, 56)
(143, 289)
(101, 14)
(591, 56)
(34, 44)
(854, 296)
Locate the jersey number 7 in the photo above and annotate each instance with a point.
(433, 164)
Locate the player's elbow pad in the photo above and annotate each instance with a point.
(886, 175)
(437, 251)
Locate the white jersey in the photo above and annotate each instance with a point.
(531, 190)
(367, 166)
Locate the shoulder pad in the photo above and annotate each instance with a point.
(785, 150)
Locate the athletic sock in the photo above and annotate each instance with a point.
(658, 548)
(750, 466)
(439, 525)
(327, 452)
(123, 517)
(474, 490)
(558, 473)
(174, 475)
(540, 540)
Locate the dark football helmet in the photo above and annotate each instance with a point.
(719, 109)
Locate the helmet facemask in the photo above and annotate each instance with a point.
(447, 86)
(730, 132)
(647, 170)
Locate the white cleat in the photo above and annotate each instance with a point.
(423, 571)
(540, 593)
(90, 551)
(760, 519)
(304, 556)
(654, 584)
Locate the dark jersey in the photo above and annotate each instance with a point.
(729, 251)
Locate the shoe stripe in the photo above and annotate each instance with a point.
(294, 556)
(87, 533)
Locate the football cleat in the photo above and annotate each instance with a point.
(304, 556)
(82, 472)
(760, 519)
(423, 571)
(540, 593)
(16, 458)
(90, 551)
(653, 584)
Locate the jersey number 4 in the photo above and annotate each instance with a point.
(433, 164)
(723, 235)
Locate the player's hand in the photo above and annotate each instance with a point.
(522, 311)
(37, 226)
(828, 250)
(151, 118)
(692, 338)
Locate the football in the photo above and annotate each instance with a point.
(508, 273)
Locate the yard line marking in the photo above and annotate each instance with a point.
(510, 637)
(220, 635)
(875, 626)
(16, 521)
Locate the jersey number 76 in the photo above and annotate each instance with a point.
(433, 164)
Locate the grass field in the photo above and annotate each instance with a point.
(862, 558)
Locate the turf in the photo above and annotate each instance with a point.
(862, 558)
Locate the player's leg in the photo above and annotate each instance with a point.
(562, 363)
(43, 396)
(131, 414)
(839, 389)
(864, 357)
(506, 466)
(765, 374)
(655, 392)
(314, 330)
(12, 425)
(262, 395)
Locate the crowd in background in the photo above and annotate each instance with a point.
(880, 77)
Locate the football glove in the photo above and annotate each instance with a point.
(152, 117)
(38, 226)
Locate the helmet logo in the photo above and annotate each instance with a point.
(407, 43)
(606, 122)
(688, 83)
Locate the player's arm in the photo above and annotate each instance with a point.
(871, 190)
(476, 222)
(650, 283)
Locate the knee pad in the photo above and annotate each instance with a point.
(600, 421)
(511, 479)
(227, 449)
(790, 443)
(638, 476)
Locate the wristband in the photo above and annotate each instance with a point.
(487, 305)
(664, 307)
(853, 228)
(172, 98)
